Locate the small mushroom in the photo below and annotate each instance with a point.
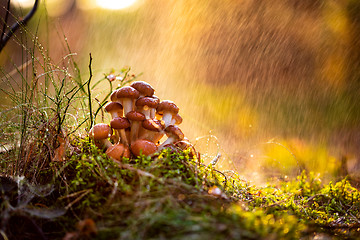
(115, 109)
(113, 97)
(142, 146)
(120, 124)
(146, 104)
(118, 151)
(100, 133)
(167, 109)
(127, 96)
(144, 88)
(153, 130)
(135, 118)
(176, 120)
(174, 134)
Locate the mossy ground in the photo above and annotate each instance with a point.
(171, 195)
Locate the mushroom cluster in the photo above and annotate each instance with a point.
(139, 121)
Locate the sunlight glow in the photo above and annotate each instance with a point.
(23, 3)
(115, 4)
(54, 8)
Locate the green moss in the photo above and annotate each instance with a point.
(330, 206)
(168, 196)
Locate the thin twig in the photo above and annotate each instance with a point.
(131, 168)
(73, 194)
(78, 199)
(6, 36)
(89, 92)
(101, 105)
(223, 175)
(6, 19)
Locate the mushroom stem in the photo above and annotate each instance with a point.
(147, 113)
(123, 138)
(152, 136)
(127, 134)
(167, 118)
(135, 119)
(135, 126)
(116, 114)
(128, 105)
(152, 113)
(105, 143)
(120, 124)
(158, 136)
(116, 136)
(170, 140)
(144, 110)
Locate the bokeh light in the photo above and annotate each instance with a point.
(23, 3)
(115, 4)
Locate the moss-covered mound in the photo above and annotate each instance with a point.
(171, 195)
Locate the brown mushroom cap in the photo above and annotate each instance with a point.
(135, 116)
(143, 87)
(113, 106)
(174, 132)
(120, 123)
(155, 97)
(118, 151)
(178, 119)
(143, 146)
(113, 96)
(167, 106)
(127, 92)
(147, 101)
(100, 131)
(153, 125)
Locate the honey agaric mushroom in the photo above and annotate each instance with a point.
(120, 124)
(118, 151)
(153, 130)
(115, 109)
(176, 120)
(146, 104)
(100, 133)
(167, 109)
(144, 88)
(113, 97)
(174, 134)
(143, 146)
(135, 119)
(127, 96)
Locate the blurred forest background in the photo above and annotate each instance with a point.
(274, 86)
